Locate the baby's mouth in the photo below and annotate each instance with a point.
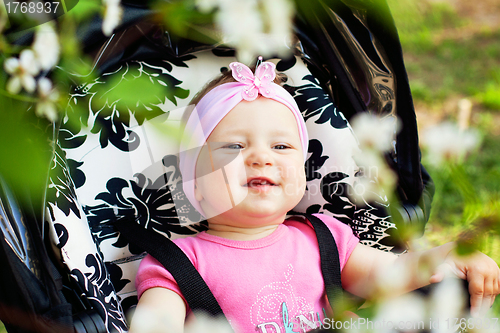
(259, 182)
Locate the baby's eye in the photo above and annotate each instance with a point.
(281, 146)
(233, 146)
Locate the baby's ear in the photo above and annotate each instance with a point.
(197, 193)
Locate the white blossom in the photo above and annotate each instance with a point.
(48, 96)
(205, 324)
(375, 177)
(375, 136)
(46, 46)
(406, 313)
(253, 31)
(112, 16)
(446, 142)
(278, 16)
(365, 189)
(206, 6)
(374, 189)
(373, 132)
(22, 71)
(241, 25)
(151, 319)
(447, 301)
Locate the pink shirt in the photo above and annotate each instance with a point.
(261, 285)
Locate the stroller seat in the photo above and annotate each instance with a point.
(120, 166)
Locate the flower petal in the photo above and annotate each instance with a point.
(46, 46)
(44, 87)
(112, 16)
(11, 65)
(47, 109)
(28, 82)
(28, 62)
(206, 6)
(14, 85)
(446, 142)
(373, 132)
(54, 95)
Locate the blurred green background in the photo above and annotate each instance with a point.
(452, 52)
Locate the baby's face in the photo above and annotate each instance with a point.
(252, 168)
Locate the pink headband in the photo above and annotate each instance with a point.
(217, 103)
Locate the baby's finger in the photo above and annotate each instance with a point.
(488, 296)
(496, 284)
(496, 289)
(476, 290)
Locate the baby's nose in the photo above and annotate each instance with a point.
(259, 157)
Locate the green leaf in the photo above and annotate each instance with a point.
(85, 10)
(490, 98)
(25, 150)
(183, 19)
(128, 91)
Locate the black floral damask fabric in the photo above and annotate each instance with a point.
(334, 180)
(152, 203)
(313, 101)
(110, 165)
(110, 119)
(90, 273)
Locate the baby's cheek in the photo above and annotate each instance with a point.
(295, 179)
(217, 198)
(301, 185)
(292, 172)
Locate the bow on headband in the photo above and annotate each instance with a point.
(260, 83)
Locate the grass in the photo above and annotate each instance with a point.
(483, 170)
(447, 54)
(463, 67)
(451, 56)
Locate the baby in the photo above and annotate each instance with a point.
(242, 163)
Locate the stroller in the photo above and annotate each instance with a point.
(115, 163)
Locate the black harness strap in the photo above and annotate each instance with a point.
(193, 287)
(330, 261)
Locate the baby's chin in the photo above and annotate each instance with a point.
(248, 218)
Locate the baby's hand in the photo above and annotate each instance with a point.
(480, 271)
